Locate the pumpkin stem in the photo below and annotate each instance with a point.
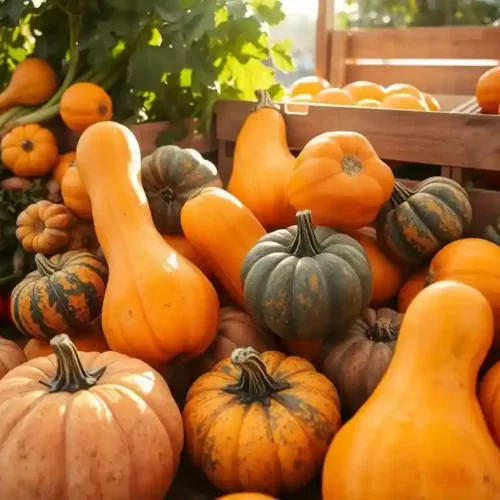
(400, 194)
(45, 266)
(71, 376)
(254, 383)
(383, 331)
(27, 146)
(264, 100)
(305, 243)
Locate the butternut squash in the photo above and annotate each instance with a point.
(421, 434)
(262, 165)
(157, 304)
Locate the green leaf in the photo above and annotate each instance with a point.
(146, 68)
(174, 134)
(269, 11)
(281, 54)
(200, 21)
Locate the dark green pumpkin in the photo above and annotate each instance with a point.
(170, 176)
(416, 223)
(492, 232)
(305, 282)
(63, 295)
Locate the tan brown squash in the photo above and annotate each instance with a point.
(11, 355)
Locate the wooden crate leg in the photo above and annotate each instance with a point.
(457, 174)
(225, 160)
(446, 171)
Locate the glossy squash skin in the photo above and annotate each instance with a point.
(417, 223)
(223, 230)
(262, 165)
(182, 246)
(424, 411)
(152, 290)
(489, 396)
(11, 355)
(75, 196)
(66, 161)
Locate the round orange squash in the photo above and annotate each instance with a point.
(182, 246)
(365, 90)
(404, 441)
(488, 90)
(66, 161)
(84, 104)
(311, 85)
(403, 88)
(489, 396)
(333, 96)
(75, 196)
(11, 355)
(412, 287)
(369, 103)
(340, 178)
(105, 409)
(404, 101)
(432, 102)
(260, 423)
(307, 349)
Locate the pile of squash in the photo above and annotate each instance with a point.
(315, 316)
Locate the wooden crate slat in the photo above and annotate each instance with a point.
(476, 42)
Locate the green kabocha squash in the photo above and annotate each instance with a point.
(170, 175)
(416, 223)
(492, 232)
(305, 282)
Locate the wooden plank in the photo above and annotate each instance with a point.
(426, 43)
(452, 139)
(324, 28)
(338, 53)
(454, 80)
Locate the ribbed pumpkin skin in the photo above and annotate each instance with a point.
(415, 224)
(306, 283)
(170, 176)
(492, 232)
(64, 294)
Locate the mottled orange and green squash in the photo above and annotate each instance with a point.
(492, 232)
(11, 355)
(260, 422)
(416, 223)
(305, 282)
(63, 295)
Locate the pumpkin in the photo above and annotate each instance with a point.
(369, 103)
(75, 196)
(158, 305)
(228, 232)
(33, 82)
(471, 261)
(66, 161)
(492, 232)
(262, 164)
(356, 362)
(403, 89)
(404, 101)
(246, 496)
(236, 329)
(416, 223)
(311, 85)
(412, 287)
(307, 349)
(338, 97)
(387, 275)
(83, 104)
(291, 107)
(29, 150)
(260, 422)
(488, 90)
(305, 282)
(182, 246)
(170, 176)
(83, 237)
(424, 411)
(64, 294)
(340, 178)
(11, 355)
(432, 102)
(44, 227)
(99, 409)
(361, 90)
(489, 396)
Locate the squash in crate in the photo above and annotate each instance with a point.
(260, 422)
(157, 305)
(105, 409)
(412, 287)
(305, 282)
(423, 411)
(11, 356)
(362, 90)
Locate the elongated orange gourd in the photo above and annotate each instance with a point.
(157, 304)
(421, 434)
(262, 165)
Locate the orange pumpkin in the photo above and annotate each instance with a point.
(307, 349)
(29, 150)
(228, 232)
(471, 261)
(489, 396)
(311, 85)
(488, 90)
(182, 246)
(84, 104)
(424, 411)
(334, 96)
(66, 161)
(411, 288)
(291, 107)
(340, 178)
(105, 409)
(260, 422)
(432, 102)
(403, 88)
(404, 101)
(157, 304)
(369, 103)
(75, 196)
(387, 275)
(262, 164)
(11, 355)
(365, 90)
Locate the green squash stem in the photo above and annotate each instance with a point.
(305, 243)
(254, 383)
(264, 100)
(71, 376)
(400, 194)
(44, 265)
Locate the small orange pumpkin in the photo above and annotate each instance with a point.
(84, 104)
(29, 150)
(488, 90)
(66, 161)
(404, 101)
(75, 196)
(333, 96)
(362, 90)
(11, 355)
(489, 397)
(412, 287)
(311, 85)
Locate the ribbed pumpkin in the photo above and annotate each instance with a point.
(416, 223)
(170, 176)
(306, 283)
(11, 355)
(492, 232)
(66, 161)
(75, 195)
(63, 295)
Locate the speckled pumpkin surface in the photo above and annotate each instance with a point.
(260, 422)
(305, 282)
(415, 224)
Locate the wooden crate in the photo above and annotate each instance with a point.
(456, 141)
